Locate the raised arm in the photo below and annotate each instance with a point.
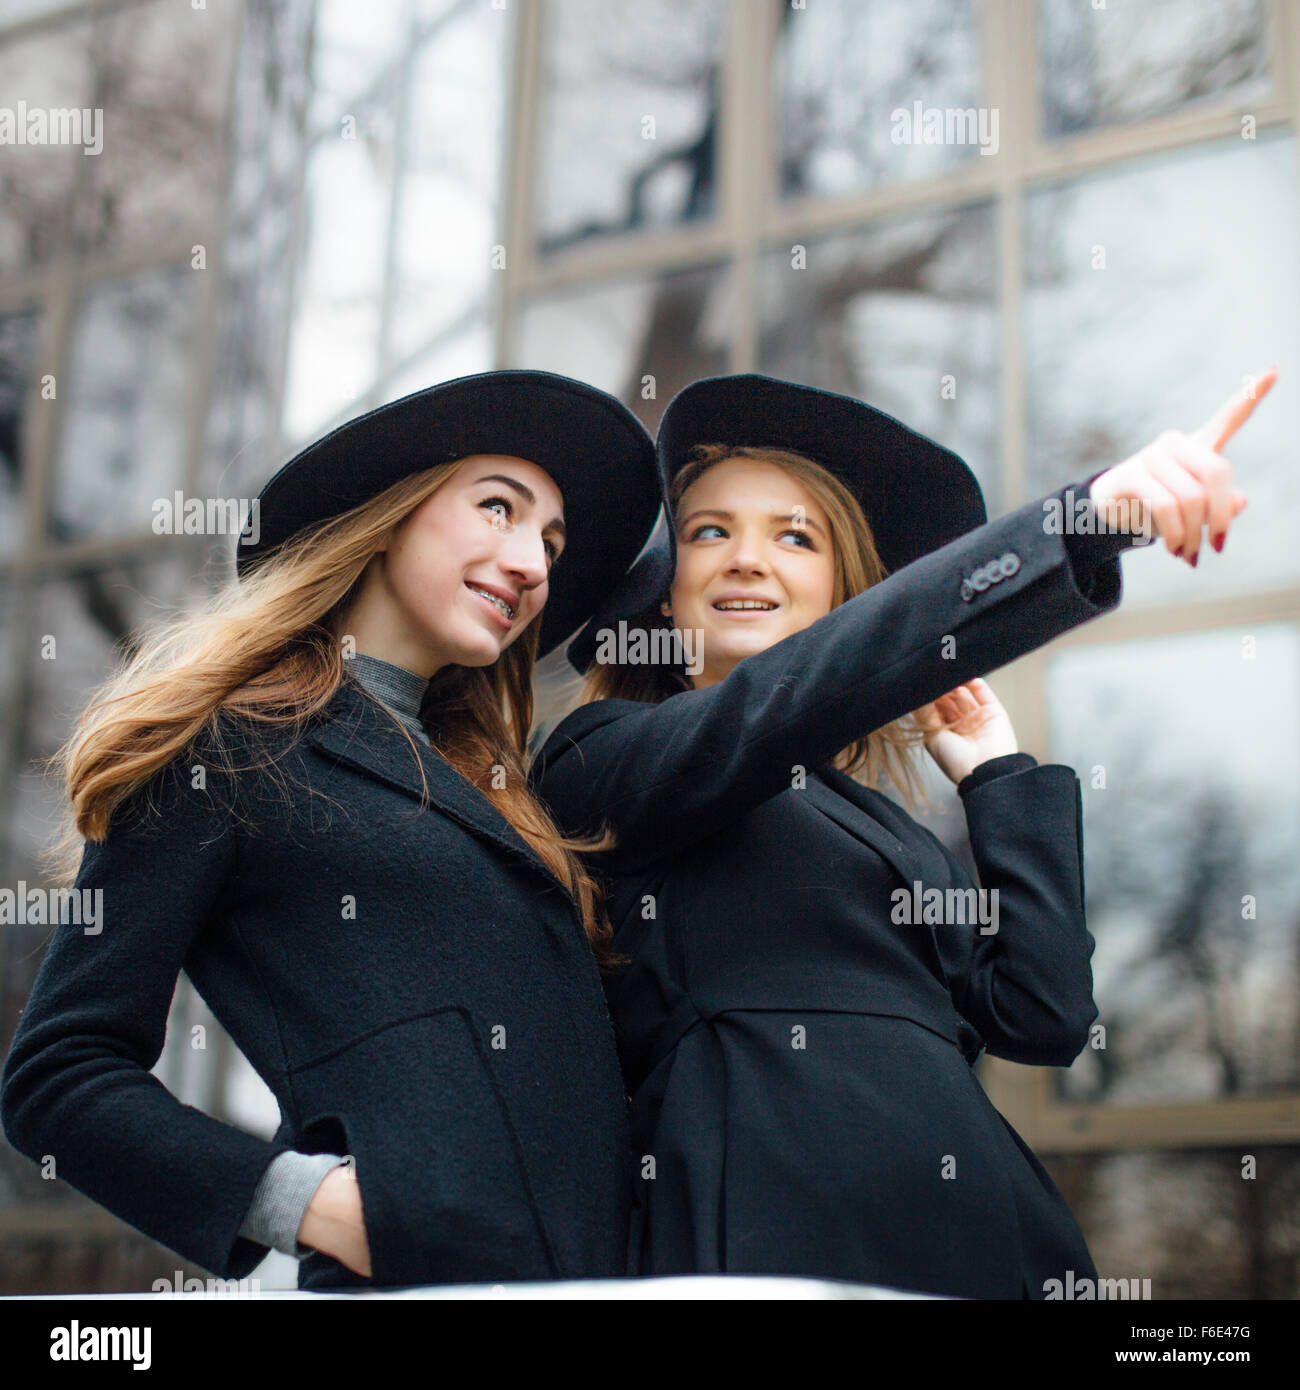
(662, 776)
(77, 1085)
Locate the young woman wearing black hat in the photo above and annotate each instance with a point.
(810, 972)
(344, 856)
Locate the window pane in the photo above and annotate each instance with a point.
(1134, 59)
(448, 220)
(1147, 302)
(902, 314)
(17, 361)
(672, 328)
(351, 46)
(161, 78)
(122, 429)
(75, 636)
(252, 314)
(849, 78)
(1193, 1221)
(334, 343)
(12, 11)
(50, 71)
(609, 70)
(1192, 859)
(459, 354)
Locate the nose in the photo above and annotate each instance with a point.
(523, 556)
(745, 556)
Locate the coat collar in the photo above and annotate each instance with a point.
(866, 814)
(354, 729)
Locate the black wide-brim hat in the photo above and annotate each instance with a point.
(916, 494)
(596, 451)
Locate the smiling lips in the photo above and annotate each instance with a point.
(502, 604)
(743, 605)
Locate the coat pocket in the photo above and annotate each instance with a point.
(445, 1195)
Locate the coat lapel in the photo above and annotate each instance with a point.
(858, 810)
(357, 732)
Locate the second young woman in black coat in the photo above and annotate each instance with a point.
(809, 971)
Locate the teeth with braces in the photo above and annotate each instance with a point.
(500, 602)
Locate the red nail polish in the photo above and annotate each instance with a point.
(1218, 542)
(1178, 552)
(1196, 559)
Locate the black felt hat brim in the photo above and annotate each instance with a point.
(596, 451)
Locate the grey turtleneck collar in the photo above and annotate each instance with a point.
(402, 691)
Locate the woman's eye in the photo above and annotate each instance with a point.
(708, 526)
(552, 552)
(804, 539)
(498, 502)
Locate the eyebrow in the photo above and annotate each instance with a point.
(731, 516)
(526, 493)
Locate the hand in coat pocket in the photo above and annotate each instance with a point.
(334, 1222)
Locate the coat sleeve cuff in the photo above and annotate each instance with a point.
(995, 767)
(1092, 549)
(282, 1197)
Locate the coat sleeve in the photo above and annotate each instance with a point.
(1027, 986)
(664, 775)
(77, 1087)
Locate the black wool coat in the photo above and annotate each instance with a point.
(798, 1058)
(411, 982)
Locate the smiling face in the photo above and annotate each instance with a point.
(466, 572)
(755, 562)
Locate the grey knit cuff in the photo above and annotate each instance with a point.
(282, 1198)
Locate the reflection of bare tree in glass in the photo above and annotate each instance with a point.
(1184, 855)
(167, 122)
(1198, 935)
(696, 154)
(1173, 52)
(672, 348)
(804, 335)
(842, 75)
(17, 350)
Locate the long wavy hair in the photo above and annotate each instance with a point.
(269, 650)
(891, 750)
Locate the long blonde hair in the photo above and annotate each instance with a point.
(889, 750)
(269, 650)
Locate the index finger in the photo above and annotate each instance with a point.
(1235, 411)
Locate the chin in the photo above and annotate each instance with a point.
(746, 643)
(476, 649)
